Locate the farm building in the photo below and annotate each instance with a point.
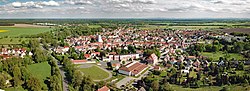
(133, 69)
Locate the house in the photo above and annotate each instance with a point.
(196, 63)
(191, 57)
(104, 88)
(124, 57)
(185, 71)
(116, 65)
(152, 59)
(157, 68)
(133, 69)
(87, 56)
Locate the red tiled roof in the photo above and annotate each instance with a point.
(104, 88)
(78, 61)
(156, 67)
(87, 55)
(135, 68)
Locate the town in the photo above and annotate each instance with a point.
(125, 57)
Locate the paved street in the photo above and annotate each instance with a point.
(129, 78)
(123, 81)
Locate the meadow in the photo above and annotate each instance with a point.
(95, 73)
(9, 41)
(18, 31)
(212, 88)
(41, 71)
(216, 55)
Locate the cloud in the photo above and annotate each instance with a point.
(78, 2)
(130, 8)
(50, 3)
(32, 4)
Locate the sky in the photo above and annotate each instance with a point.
(124, 8)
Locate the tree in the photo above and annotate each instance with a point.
(17, 76)
(55, 83)
(215, 48)
(34, 84)
(39, 55)
(2, 81)
(109, 65)
(155, 85)
(226, 48)
(241, 66)
(131, 49)
(209, 47)
(77, 79)
(237, 47)
(166, 87)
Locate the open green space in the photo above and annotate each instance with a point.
(41, 71)
(95, 73)
(94, 26)
(15, 89)
(7, 41)
(194, 27)
(18, 31)
(216, 55)
(211, 88)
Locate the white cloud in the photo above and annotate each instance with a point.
(32, 4)
(50, 3)
(134, 8)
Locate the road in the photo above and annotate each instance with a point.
(127, 79)
(62, 72)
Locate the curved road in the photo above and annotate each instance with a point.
(90, 65)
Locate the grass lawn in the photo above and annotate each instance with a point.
(94, 26)
(18, 31)
(15, 89)
(95, 73)
(7, 41)
(40, 70)
(216, 55)
(194, 27)
(211, 88)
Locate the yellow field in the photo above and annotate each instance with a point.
(1, 31)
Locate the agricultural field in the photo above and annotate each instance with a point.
(9, 41)
(205, 27)
(240, 30)
(19, 30)
(41, 71)
(94, 26)
(212, 88)
(95, 73)
(216, 55)
(195, 27)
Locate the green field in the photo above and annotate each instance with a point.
(18, 31)
(15, 89)
(41, 71)
(95, 73)
(212, 88)
(150, 27)
(94, 26)
(194, 27)
(7, 41)
(216, 55)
